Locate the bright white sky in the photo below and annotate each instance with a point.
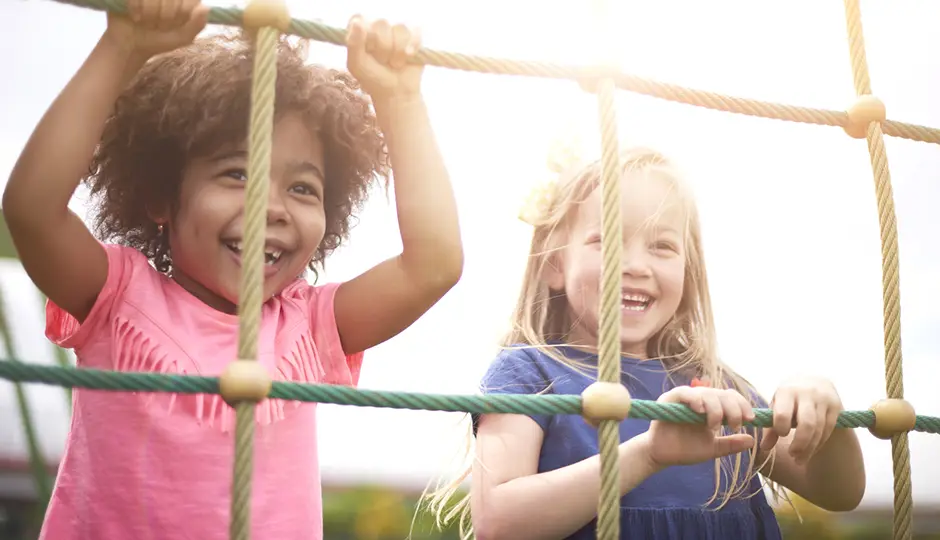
(789, 216)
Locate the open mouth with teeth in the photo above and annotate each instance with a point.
(271, 254)
(635, 302)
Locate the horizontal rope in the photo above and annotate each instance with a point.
(231, 16)
(98, 379)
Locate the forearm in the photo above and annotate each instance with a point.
(427, 210)
(835, 475)
(555, 504)
(58, 153)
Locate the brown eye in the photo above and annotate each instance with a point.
(306, 190)
(237, 174)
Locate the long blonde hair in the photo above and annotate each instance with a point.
(686, 343)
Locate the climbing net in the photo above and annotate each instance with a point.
(606, 402)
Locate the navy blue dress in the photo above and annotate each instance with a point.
(669, 504)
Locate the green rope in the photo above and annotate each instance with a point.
(230, 16)
(250, 293)
(98, 379)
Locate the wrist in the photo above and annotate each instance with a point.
(122, 50)
(637, 454)
(397, 103)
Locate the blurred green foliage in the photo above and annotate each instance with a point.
(7, 251)
(818, 524)
(378, 513)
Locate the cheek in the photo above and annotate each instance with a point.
(673, 280)
(207, 211)
(311, 225)
(582, 277)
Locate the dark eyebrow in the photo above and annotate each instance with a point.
(294, 167)
(226, 155)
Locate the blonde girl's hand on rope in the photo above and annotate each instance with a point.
(686, 444)
(152, 27)
(813, 405)
(378, 55)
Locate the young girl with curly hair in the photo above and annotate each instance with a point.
(538, 477)
(162, 119)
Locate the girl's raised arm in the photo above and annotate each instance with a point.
(388, 298)
(57, 251)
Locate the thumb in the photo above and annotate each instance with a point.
(415, 45)
(732, 444)
(197, 20)
(355, 33)
(768, 439)
(355, 42)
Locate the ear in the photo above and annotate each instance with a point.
(160, 216)
(553, 274)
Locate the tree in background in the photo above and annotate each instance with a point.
(817, 524)
(377, 513)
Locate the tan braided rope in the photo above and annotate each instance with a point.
(252, 278)
(609, 315)
(259, 161)
(632, 83)
(318, 31)
(890, 275)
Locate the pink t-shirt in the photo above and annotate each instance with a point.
(148, 466)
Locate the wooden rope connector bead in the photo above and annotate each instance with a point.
(892, 416)
(862, 113)
(266, 13)
(605, 401)
(244, 380)
(592, 76)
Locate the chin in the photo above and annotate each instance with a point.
(229, 295)
(632, 342)
(276, 284)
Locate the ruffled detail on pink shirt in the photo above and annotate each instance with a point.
(135, 352)
(110, 338)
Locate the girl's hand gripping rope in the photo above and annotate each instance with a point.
(813, 405)
(378, 57)
(151, 27)
(687, 444)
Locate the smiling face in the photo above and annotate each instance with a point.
(206, 231)
(652, 266)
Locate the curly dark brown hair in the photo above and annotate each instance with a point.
(195, 100)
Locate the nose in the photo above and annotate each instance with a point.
(635, 260)
(277, 209)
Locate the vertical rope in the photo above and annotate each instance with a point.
(609, 310)
(252, 279)
(608, 516)
(890, 275)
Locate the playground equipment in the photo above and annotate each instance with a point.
(606, 402)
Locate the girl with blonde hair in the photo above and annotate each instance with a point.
(537, 477)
